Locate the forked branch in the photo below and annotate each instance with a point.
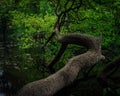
(62, 14)
(88, 41)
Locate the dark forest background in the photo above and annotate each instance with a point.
(26, 25)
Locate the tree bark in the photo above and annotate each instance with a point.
(50, 85)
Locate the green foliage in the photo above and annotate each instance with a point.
(118, 91)
(29, 33)
(31, 22)
(95, 23)
(25, 27)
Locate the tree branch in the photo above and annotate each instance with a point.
(62, 15)
(66, 75)
(79, 39)
(55, 82)
(51, 36)
(57, 57)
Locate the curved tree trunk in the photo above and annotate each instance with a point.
(50, 85)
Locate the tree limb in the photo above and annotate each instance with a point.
(66, 75)
(55, 82)
(62, 15)
(79, 39)
(57, 57)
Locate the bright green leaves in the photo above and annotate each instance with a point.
(26, 26)
(95, 22)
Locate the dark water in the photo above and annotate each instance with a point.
(5, 85)
(1, 83)
(6, 88)
(2, 94)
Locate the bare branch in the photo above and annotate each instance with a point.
(50, 85)
(80, 39)
(55, 82)
(66, 4)
(75, 21)
(51, 36)
(72, 8)
(57, 57)
(57, 8)
(57, 31)
(62, 17)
